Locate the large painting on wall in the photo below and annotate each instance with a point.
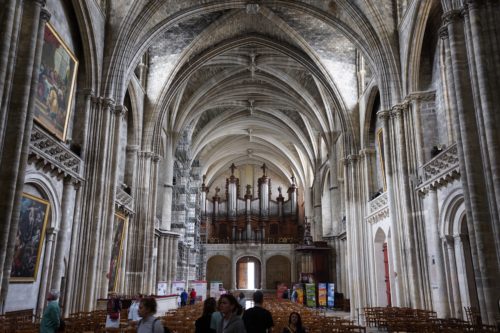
(116, 251)
(56, 81)
(29, 238)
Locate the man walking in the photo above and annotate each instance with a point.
(258, 319)
(52, 314)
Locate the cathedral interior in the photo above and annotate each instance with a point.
(346, 141)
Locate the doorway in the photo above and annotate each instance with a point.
(248, 273)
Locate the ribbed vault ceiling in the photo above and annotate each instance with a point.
(253, 85)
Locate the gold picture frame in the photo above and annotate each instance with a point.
(29, 238)
(56, 84)
(380, 143)
(119, 227)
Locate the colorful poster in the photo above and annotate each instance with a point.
(300, 293)
(29, 238)
(311, 295)
(216, 289)
(331, 295)
(322, 293)
(201, 289)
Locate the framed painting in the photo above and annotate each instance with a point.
(380, 142)
(29, 238)
(56, 84)
(116, 250)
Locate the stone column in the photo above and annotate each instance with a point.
(9, 24)
(317, 231)
(64, 234)
(453, 278)
(472, 166)
(396, 289)
(484, 57)
(400, 115)
(166, 213)
(435, 257)
(14, 153)
(46, 269)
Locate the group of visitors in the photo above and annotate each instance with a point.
(232, 317)
(184, 297)
(228, 316)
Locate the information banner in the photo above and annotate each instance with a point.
(216, 289)
(201, 289)
(311, 295)
(299, 287)
(178, 287)
(322, 293)
(161, 289)
(331, 295)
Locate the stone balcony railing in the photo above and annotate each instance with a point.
(440, 170)
(124, 201)
(53, 156)
(378, 209)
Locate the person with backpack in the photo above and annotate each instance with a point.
(149, 323)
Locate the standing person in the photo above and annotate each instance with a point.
(231, 321)
(184, 297)
(149, 323)
(242, 300)
(113, 308)
(295, 295)
(192, 296)
(202, 324)
(133, 311)
(294, 324)
(52, 314)
(258, 319)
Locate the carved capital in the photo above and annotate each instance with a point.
(132, 148)
(120, 110)
(45, 15)
(383, 115)
(88, 93)
(156, 158)
(108, 103)
(397, 110)
(451, 16)
(145, 154)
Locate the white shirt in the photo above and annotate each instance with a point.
(133, 311)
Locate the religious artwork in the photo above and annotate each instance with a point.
(380, 142)
(56, 81)
(29, 238)
(116, 250)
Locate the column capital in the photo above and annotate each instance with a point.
(88, 92)
(383, 114)
(132, 148)
(120, 110)
(452, 15)
(39, 2)
(45, 15)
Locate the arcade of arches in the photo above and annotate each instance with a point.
(251, 142)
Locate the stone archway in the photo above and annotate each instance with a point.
(248, 273)
(278, 270)
(382, 277)
(219, 269)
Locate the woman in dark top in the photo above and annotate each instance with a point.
(202, 324)
(294, 324)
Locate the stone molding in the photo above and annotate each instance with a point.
(45, 15)
(452, 15)
(51, 154)
(378, 215)
(124, 202)
(440, 171)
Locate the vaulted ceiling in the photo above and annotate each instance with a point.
(267, 82)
